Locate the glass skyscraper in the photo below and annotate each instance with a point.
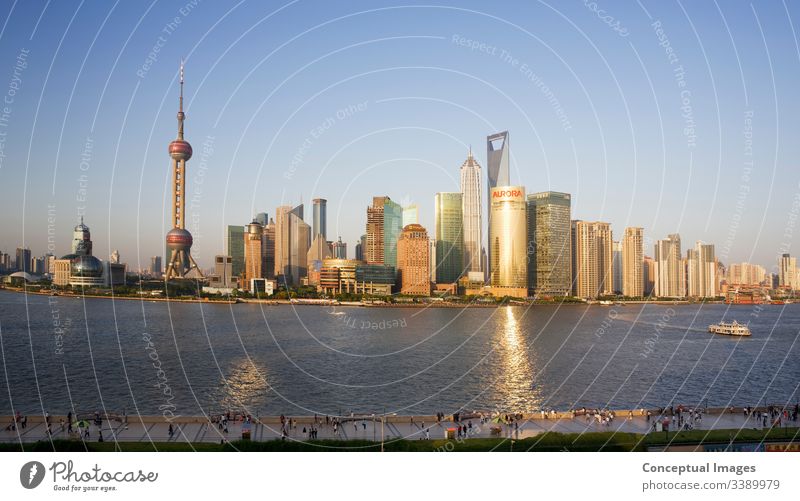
(549, 257)
(508, 237)
(235, 248)
(471, 209)
(392, 226)
(449, 237)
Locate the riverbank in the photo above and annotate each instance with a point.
(367, 304)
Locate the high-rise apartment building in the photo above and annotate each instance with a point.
(413, 261)
(549, 250)
(508, 238)
(472, 213)
(746, 274)
(649, 272)
(670, 273)
(449, 237)
(787, 272)
(701, 271)
(633, 275)
(616, 266)
(592, 259)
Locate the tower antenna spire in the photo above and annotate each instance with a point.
(181, 114)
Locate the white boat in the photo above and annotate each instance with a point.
(729, 329)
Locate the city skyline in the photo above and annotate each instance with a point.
(258, 146)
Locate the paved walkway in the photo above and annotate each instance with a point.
(195, 430)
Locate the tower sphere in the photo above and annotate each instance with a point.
(179, 239)
(180, 150)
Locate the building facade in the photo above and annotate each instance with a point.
(413, 260)
(449, 237)
(472, 213)
(508, 238)
(592, 259)
(701, 271)
(320, 219)
(633, 277)
(670, 275)
(234, 248)
(549, 249)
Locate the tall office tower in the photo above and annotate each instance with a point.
(701, 271)
(392, 227)
(384, 224)
(649, 272)
(508, 237)
(81, 240)
(497, 172)
(23, 256)
(155, 266)
(361, 248)
(373, 252)
(179, 240)
(253, 254)
(261, 218)
(633, 277)
(787, 272)
(223, 271)
(114, 257)
(292, 241)
(471, 210)
(340, 249)
(616, 266)
(320, 218)
(449, 237)
(410, 215)
(269, 250)
(549, 249)
(319, 251)
(592, 259)
(669, 271)
(234, 247)
(4, 262)
(413, 261)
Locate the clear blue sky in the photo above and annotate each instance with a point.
(592, 102)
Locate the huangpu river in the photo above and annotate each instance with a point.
(62, 353)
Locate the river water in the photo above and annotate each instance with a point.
(60, 354)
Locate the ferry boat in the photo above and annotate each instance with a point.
(729, 329)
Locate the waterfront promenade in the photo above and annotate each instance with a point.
(205, 430)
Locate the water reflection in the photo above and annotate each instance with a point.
(244, 387)
(516, 375)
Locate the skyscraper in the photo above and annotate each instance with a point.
(23, 258)
(413, 261)
(320, 218)
(669, 271)
(701, 271)
(449, 237)
(179, 240)
(292, 241)
(155, 266)
(497, 173)
(269, 249)
(262, 218)
(253, 253)
(340, 249)
(633, 278)
(384, 224)
(410, 215)
(234, 247)
(616, 266)
(472, 210)
(649, 272)
(787, 273)
(508, 237)
(592, 259)
(549, 246)
(81, 240)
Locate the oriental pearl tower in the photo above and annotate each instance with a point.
(179, 240)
